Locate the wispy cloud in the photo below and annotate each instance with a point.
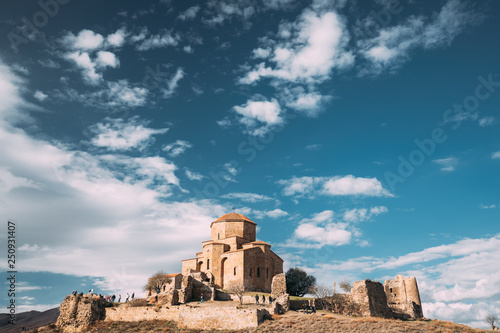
(447, 164)
(177, 148)
(116, 134)
(334, 186)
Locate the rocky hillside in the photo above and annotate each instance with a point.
(31, 319)
(296, 322)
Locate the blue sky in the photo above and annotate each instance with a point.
(362, 137)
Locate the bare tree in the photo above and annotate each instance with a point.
(491, 320)
(156, 281)
(324, 296)
(237, 288)
(345, 286)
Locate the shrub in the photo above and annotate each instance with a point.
(135, 303)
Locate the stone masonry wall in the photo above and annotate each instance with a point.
(403, 297)
(370, 297)
(203, 318)
(77, 312)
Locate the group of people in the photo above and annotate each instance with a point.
(263, 299)
(109, 298)
(310, 307)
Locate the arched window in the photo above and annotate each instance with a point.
(208, 263)
(218, 236)
(267, 273)
(250, 272)
(235, 271)
(258, 271)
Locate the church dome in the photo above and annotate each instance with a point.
(233, 217)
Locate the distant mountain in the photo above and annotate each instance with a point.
(30, 319)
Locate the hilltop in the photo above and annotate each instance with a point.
(296, 321)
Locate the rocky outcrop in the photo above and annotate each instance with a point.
(78, 312)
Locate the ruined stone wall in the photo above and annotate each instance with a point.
(371, 299)
(403, 297)
(188, 265)
(78, 312)
(203, 318)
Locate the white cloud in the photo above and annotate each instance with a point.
(322, 230)
(189, 14)
(276, 213)
(363, 214)
(117, 39)
(487, 121)
(107, 59)
(261, 53)
(194, 175)
(350, 185)
(40, 96)
(334, 186)
(82, 60)
(447, 164)
(177, 148)
(454, 279)
(313, 147)
(86, 40)
(247, 197)
(115, 96)
(116, 134)
(392, 45)
(114, 201)
(495, 155)
(165, 39)
(259, 116)
(299, 185)
(221, 11)
(315, 45)
(173, 83)
(483, 206)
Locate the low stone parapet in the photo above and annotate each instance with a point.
(203, 318)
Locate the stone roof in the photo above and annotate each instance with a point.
(233, 217)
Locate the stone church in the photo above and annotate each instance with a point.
(233, 256)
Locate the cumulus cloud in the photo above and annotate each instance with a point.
(85, 40)
(40, 96)
(259, 116)
(177, 148)
(315, 45)
(321, 230)
(92, 68)
(496, 155)
(118, 38)
(118, 135)
(334, 186)
(194, 175)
